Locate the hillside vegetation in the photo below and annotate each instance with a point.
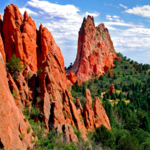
(128, 108)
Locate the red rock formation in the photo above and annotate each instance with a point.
(13, 125)
(54, 100)
(52, 80)
(20, 36)
(100, 115)
(15, 91)
(72, 77)
(78, 105)
(2, 53)
(94, 117)
(1, 24)
(95, 51)
(88, 111)
(111, 89)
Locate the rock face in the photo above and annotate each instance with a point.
(72, 77)
(111, 89)
(100, 115)
(2, 53)
(13, 125)
(88, 111)
(94, 117)
(20, 36)
(95, 51)
(43, 82)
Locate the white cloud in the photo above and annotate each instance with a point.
(119, 24)
(30, 12)
(113, 18)
(117, 17)
(143, 11)
(96, 14)
(109, 17)
(123, 6)
(41, 12)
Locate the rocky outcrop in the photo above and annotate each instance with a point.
(100, 115)
(94, 117)
(88, 111)
(13, 125)
(1, 24)
(43, 82)
(20, 36)
(78, 105)
(95, 51)
(111, 89)
(2, 53)
(15, 92)
(52, 83)
(72, 77)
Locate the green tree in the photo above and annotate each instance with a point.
(104, 136)
(115, 76)
(129, 143)
(101, 77)
(83, 90)
(146, 124)
(113, 96)
(120, 96)
(128, 95)
(99, 91)
(14, 64)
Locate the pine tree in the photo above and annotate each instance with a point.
(113, 96)
(116, 95)
(109, 76)
(120, 96)
(146, 124)
(99, 91)
(128, 95)
(83, 90)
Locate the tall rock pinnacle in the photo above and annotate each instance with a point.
(95, 51)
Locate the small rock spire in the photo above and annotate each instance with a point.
(41, 27)
(25, 15)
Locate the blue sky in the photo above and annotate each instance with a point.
(127, 21)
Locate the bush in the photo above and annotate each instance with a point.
(14, 64)
(129, 143)
(35, 113)
(39, 71)
(103, 135)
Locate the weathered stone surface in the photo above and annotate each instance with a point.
(1, 24)
(95, 51)
(52, 83)
(20, 36)
(78, 120)
(88, 111)
(13, 125)
(2, 53)
(24, 91)
(111, 89)
(78, 105)
(94, 117)
(72, 77)
(100, 115)
(29, 42)
(15, 92)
